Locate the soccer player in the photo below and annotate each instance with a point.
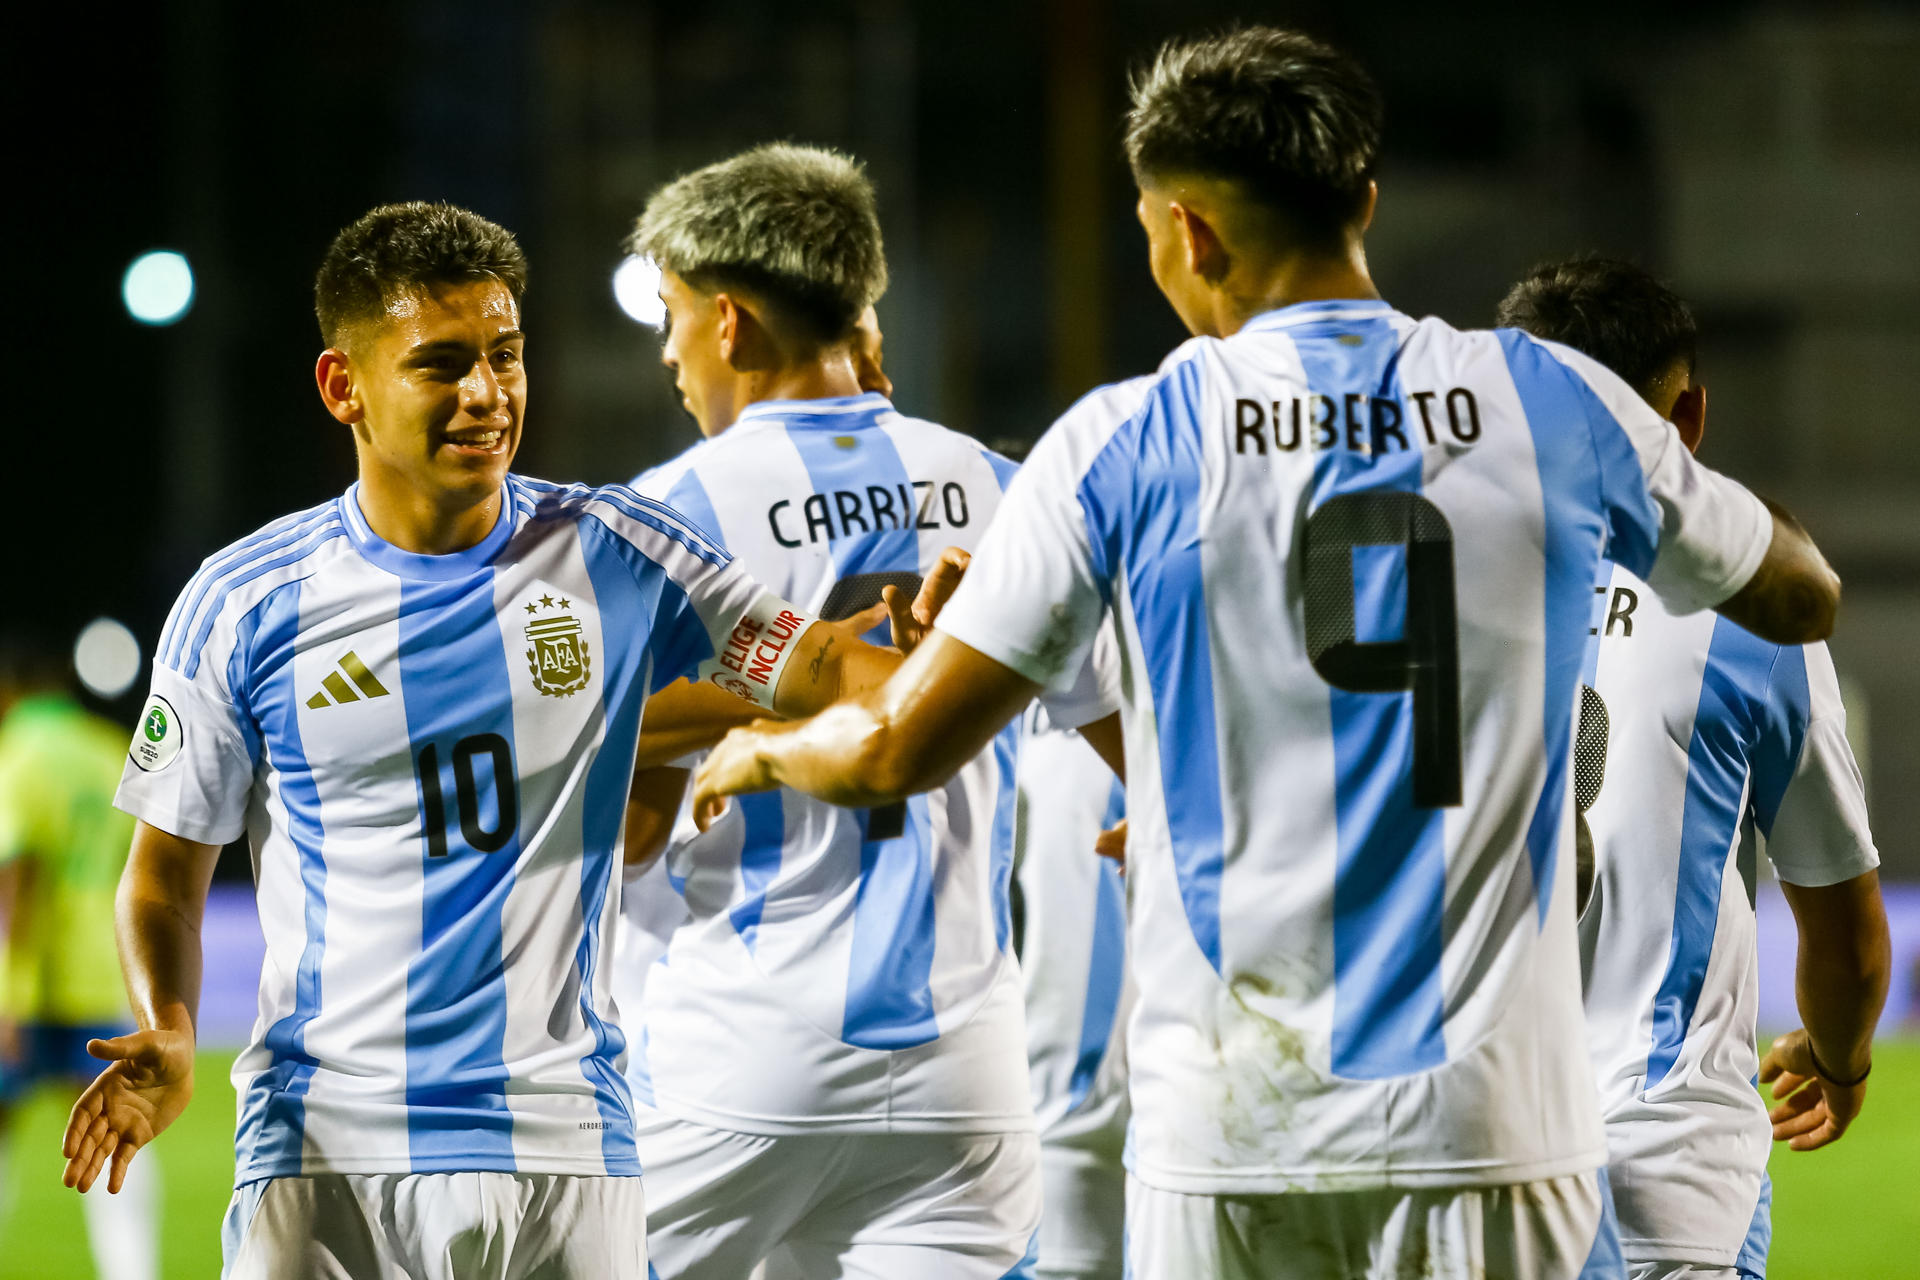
(1349, 556)
(833, 1047)
(421, 703)
(1696, 736)
(62, 846)
(1073, 960)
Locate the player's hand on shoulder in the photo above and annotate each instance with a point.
(912, 619)
(147, 1084)
(1810, 1109)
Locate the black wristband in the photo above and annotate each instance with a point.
(1831, 1078)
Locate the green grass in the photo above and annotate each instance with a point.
(43, 1236)
(1850, 1211)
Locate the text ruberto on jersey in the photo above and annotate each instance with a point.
(1357, 422)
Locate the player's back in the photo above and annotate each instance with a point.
(59, 765)
(863, 956)
(1351, 556)
(1699, 743)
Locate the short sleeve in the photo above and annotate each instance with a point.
(1808, 798)
(190, 766)
(1094, 692)
(1037, 589)
(709, 616)
(1694, 535)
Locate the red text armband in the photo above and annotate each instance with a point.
(754, 654)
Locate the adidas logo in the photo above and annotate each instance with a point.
(349, 668)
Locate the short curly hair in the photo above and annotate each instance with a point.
(1293, 121)
(1618, 313)
(395, 248)
(797, 226)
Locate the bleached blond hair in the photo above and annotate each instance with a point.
(797, 226)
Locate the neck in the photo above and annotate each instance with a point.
(1285, 281)
(425, 524)
(823, 378)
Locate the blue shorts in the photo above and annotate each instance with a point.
(53, 1051)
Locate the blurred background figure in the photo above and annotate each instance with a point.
(62, 847)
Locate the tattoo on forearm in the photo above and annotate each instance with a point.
(819, 658)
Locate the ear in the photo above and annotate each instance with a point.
(1690, 417)
(1206, 256)
(333, 374)
(728, 317)
(1372, 202)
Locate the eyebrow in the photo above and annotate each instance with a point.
(455, 344)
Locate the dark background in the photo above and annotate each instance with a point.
(1766, 158)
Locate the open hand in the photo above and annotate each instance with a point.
(1809, 1110)
(142, 1091)
(913, 619)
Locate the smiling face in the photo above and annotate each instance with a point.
(434, 391)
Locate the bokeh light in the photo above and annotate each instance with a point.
(106, 657)
(636, 287)
(158, 287)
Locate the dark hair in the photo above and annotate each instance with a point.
(1618, 313)
(399, 247)
(1294, 122)
(796, 225)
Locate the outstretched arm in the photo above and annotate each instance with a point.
(830, 662)
(149, 1079)
(1794, 594)
(1819, 1072)
(939, 710)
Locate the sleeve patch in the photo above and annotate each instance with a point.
(157, 742)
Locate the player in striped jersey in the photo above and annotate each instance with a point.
(832, 1044)
(1696, 738)
(1348, 555)
(1073, 959)
(420, 702)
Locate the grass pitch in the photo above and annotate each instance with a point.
(1849, 1211)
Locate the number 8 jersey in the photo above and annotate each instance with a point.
(430, 757)
(1350, 557)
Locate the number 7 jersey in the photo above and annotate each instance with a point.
(1350, 558)
(430, 758)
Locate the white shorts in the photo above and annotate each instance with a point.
(1083, 1226)
(437, 1226)
(931, 1206)
(1558, 1229)
(1683, 1271)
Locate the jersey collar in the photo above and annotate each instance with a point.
(410, 564)
(1317, 312)
(828, 411)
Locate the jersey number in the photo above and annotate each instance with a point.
(849, 596)
(466, 793)
(1426, 657)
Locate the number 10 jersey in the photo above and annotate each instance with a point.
(1349, 557)
(430, 757)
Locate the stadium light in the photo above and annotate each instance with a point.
(106, 657)
(636, 287)
(158, 287)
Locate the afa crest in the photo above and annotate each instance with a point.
(556, 654)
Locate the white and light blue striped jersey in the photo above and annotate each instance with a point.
(1073, 936)
(1698, 736)
(1350, 557)
(430, 756)
(841, 969)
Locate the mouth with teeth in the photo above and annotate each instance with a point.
(477, 442)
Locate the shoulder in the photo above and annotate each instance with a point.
(644, 523)
(939, 439)
(658, 481)
(234, 579)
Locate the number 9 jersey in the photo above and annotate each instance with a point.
(1350, 557)
(430, 757)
